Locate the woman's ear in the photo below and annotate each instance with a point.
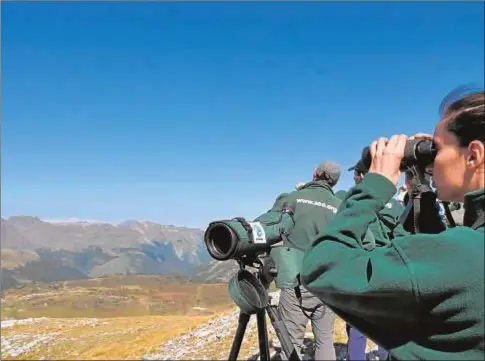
(476, 154)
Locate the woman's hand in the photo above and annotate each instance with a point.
(421, 136)
(387, 155)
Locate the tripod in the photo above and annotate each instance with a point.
(264, 276)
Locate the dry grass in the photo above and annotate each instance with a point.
(120, 318)
(108, 298)
(109, 339)
(339, 335)
(219, 349)
(128, 338)
(108, 318)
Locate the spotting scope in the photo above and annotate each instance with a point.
(239, 239)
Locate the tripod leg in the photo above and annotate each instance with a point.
(283, 335)
(263, 336)
(241, 329)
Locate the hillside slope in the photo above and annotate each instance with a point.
(213, 340)
(35, 250)
(182, 337)
(216, 271)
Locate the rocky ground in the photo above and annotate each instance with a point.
(213, 340)
(18, 344)
(122, 338)
(144, 338)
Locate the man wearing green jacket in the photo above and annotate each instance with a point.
(422, 296)
(315, 206)
(383, 229)
(385, 226)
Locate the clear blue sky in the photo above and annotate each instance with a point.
(183, 113)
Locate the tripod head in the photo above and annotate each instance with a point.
(249, 290)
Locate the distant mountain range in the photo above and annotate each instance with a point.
(35, 250)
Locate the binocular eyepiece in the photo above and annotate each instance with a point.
(418, 152)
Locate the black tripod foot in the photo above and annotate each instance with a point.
(241, 329)
(289, 351)
(263, 336)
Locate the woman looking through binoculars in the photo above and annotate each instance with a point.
(422, 296)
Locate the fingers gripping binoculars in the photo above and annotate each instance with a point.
(417, 153)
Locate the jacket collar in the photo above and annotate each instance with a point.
(474, 205)
(318, 184)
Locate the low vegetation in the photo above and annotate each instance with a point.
(12, 258)
(128, 296)
(123, 317)
(107, 318)
(93, 339)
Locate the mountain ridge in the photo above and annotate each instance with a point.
(59, 249)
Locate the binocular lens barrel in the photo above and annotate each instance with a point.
(221, 241)
(426, 152)
(417, 152)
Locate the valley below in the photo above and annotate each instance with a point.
(131, 318)
(121, 317)
(133, 291)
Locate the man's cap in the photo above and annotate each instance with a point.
(329, 171)
(299, 185)
(360, 167)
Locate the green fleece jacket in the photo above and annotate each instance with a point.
(385, 226)
(315, 206)
(420, 297)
